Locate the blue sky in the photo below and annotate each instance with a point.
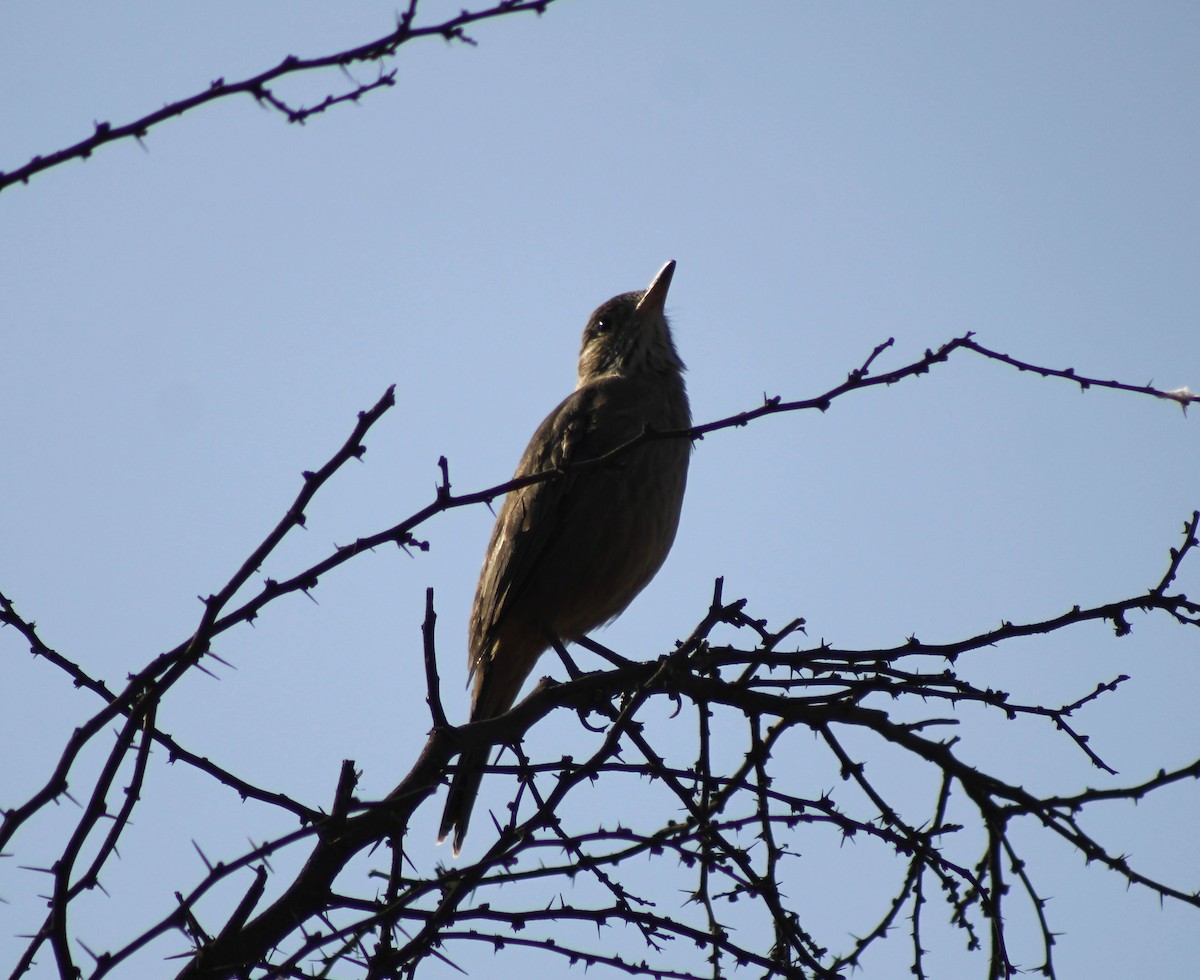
(188, 326)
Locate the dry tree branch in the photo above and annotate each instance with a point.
(260, 86)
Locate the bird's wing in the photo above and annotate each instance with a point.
(590, 422)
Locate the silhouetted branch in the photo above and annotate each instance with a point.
(261, 88)
(1181, 396)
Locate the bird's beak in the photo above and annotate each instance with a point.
(655, 297)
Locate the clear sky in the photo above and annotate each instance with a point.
(187, 326)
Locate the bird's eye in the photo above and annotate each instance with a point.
(600, 327)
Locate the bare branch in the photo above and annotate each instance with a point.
(260, 86)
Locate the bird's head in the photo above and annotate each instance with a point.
(630, 335)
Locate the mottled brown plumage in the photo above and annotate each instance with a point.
(570, 553)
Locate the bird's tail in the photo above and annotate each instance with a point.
(463, 790)
(495, 691)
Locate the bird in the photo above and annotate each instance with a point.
(569, 554)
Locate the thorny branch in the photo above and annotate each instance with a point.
(262, 87)
(733, 843)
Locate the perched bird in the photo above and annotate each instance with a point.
(570, 553)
